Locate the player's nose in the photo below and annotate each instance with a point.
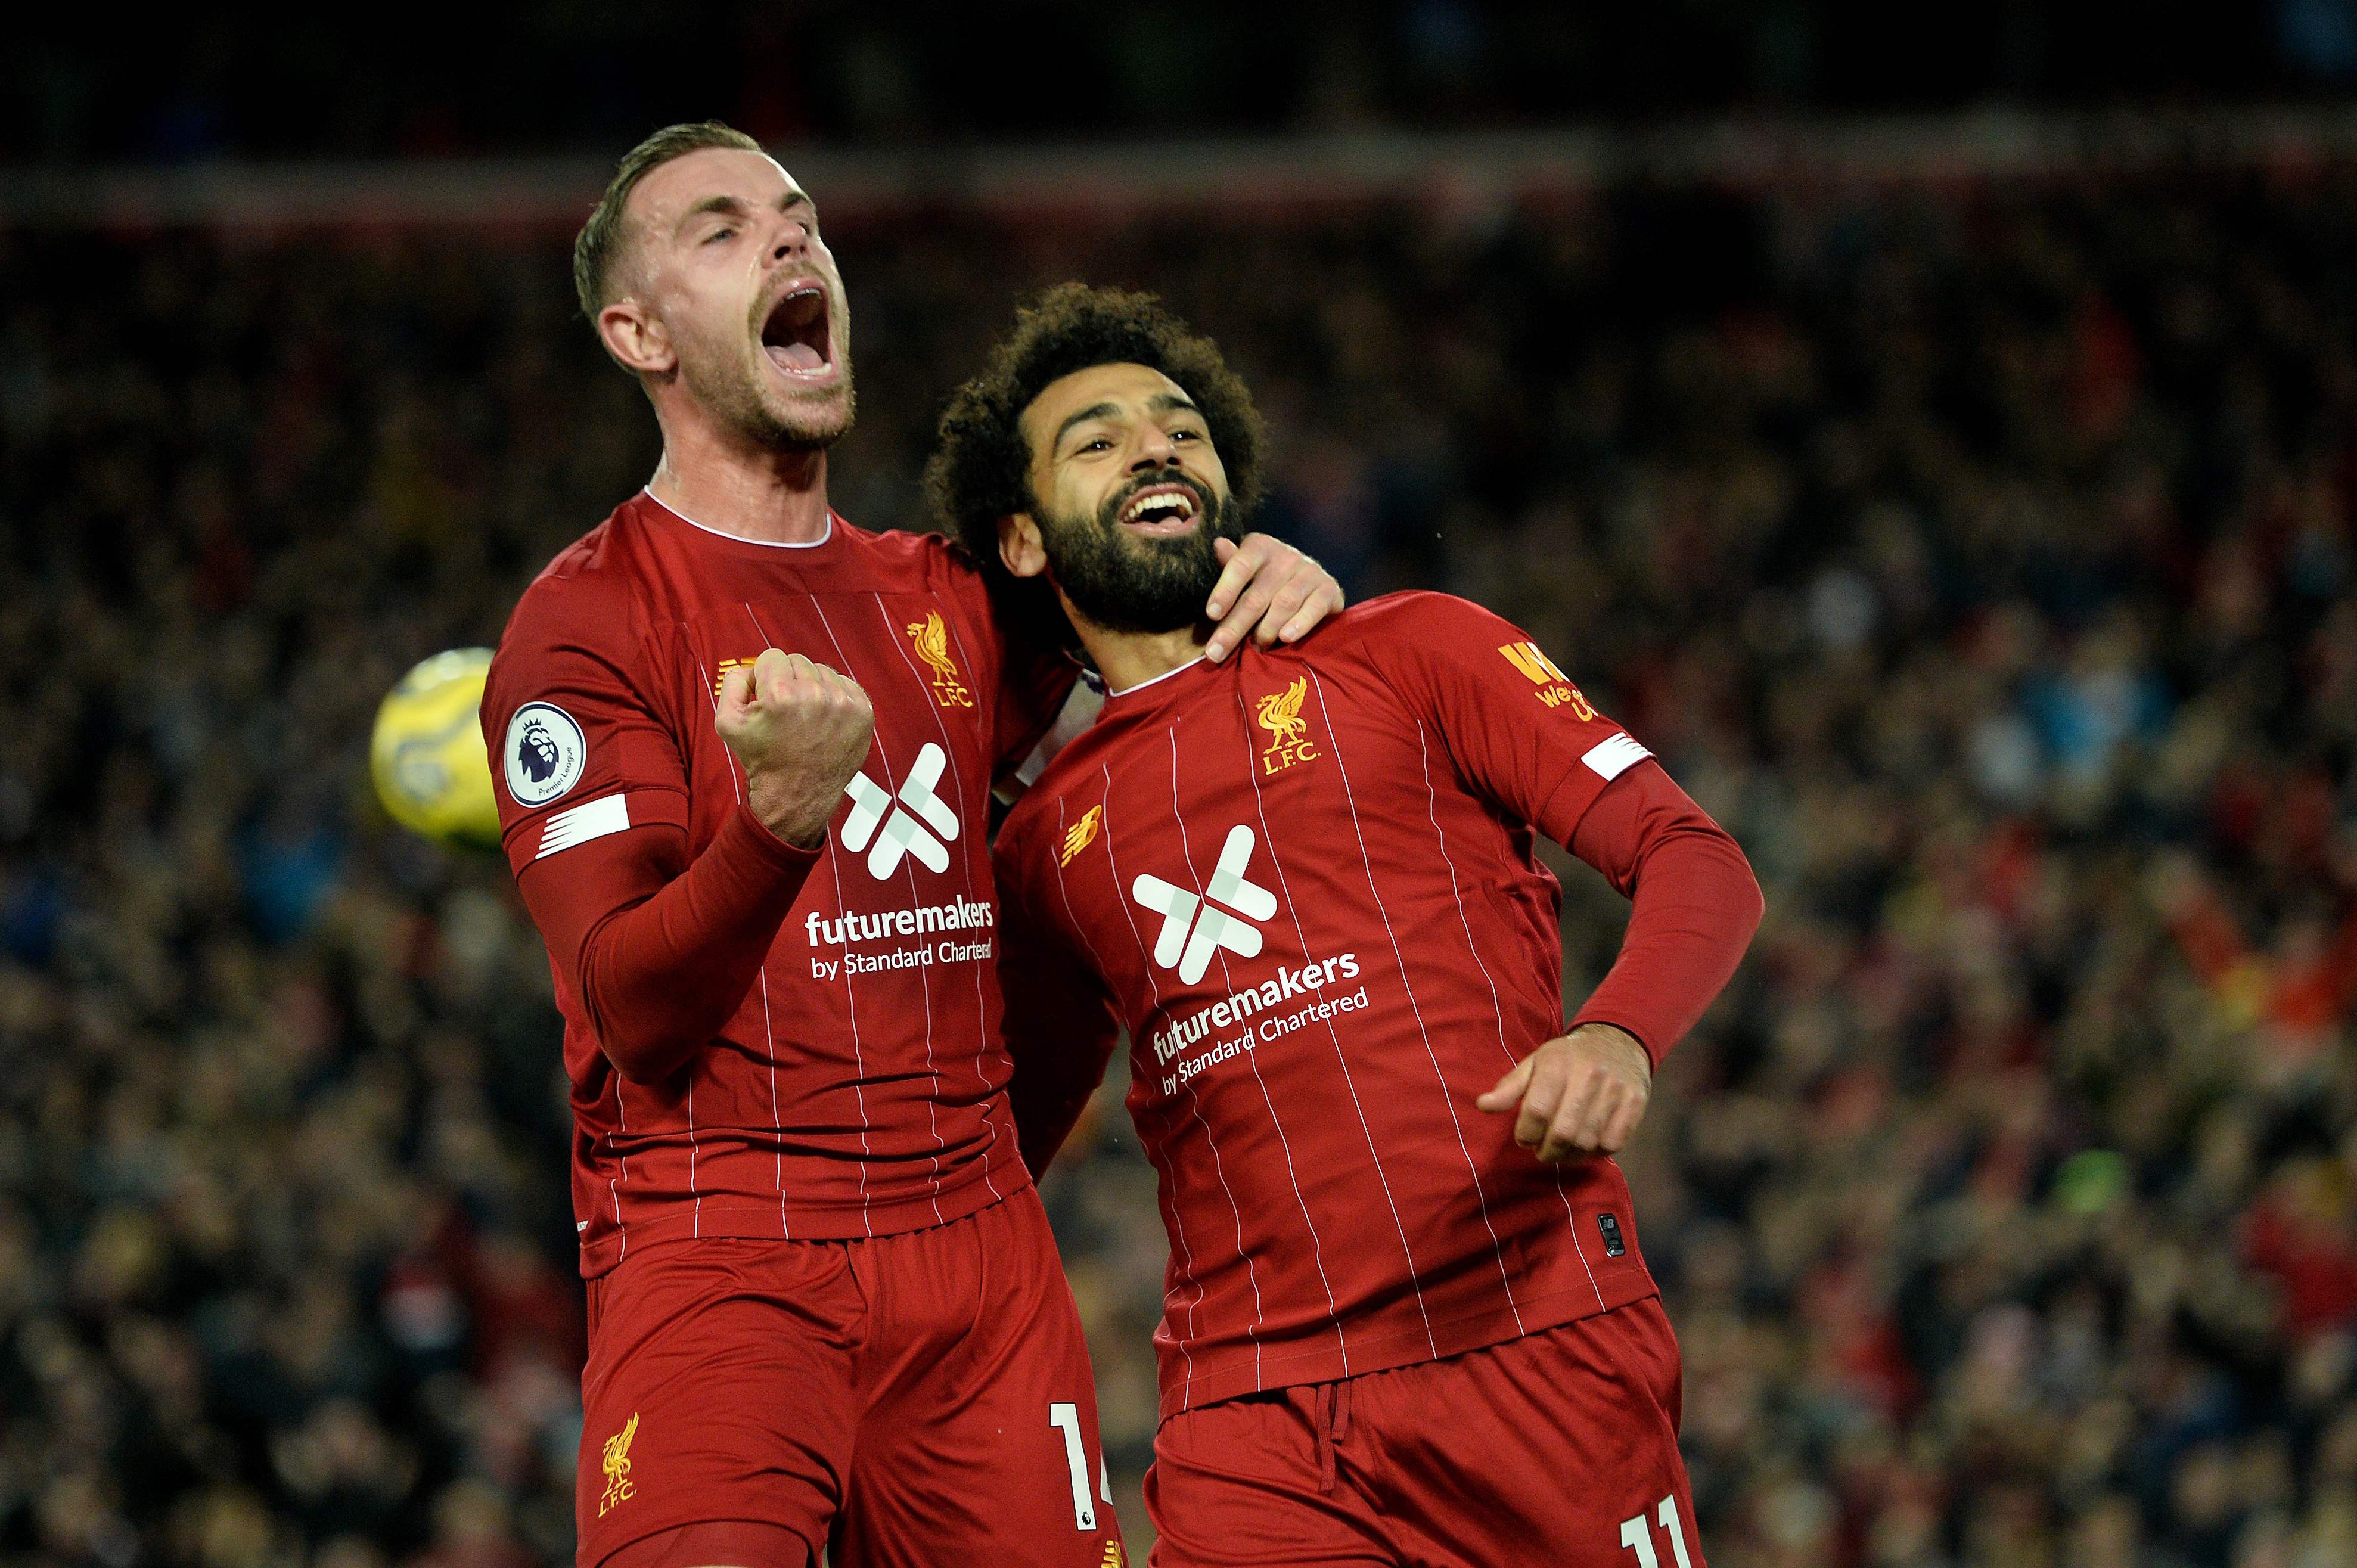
(790, 242)
(1153, 448)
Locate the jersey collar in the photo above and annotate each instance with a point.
(1167, 687)
(738, 538)
(1156, 680)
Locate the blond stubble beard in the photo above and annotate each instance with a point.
(736, 400)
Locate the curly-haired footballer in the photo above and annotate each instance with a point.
(1407, 1320)
(746, 753)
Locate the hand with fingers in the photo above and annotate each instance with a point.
(1268, 591)
(801, 730)
(1581, 1093)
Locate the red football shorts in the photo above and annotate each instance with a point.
(918, 1398)
(1559, 1448)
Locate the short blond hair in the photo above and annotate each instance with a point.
(602, 240)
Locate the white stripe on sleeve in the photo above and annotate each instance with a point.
(579, 824)
(1607, 759)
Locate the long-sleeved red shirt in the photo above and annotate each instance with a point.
(764, 1041)
(1304, 882)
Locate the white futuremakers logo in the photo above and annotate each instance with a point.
(903, 833)
(1191, 1043)
(1193, 927)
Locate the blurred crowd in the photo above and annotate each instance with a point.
(465, 79)
(1982, 558)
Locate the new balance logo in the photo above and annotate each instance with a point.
(1192, 927)
(902, 823)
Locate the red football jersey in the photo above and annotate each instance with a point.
(1304, 881)
(858, 1087)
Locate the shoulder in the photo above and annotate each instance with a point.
(1037, 804)
(938, 563)
(956, 574)
(1044, 813)
(933, 555)
(1015, 861)
(586, 611)
(1408, 628)
(592, 586)
(1011, 628)
(1418, 615)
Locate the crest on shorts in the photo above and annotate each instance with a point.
(1279, 713)
(932, 637)
(619, 1487)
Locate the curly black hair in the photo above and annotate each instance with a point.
(981, 468)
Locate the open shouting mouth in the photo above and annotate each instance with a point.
(1162, 510)
(797, 334)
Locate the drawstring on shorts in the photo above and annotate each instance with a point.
(1333, 1418)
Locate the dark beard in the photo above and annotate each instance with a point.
(1125, 583)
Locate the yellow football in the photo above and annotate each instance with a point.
(427, 754)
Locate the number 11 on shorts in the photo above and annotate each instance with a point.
(1637, 1538)
(1065, 1415)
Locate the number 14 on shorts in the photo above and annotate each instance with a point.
(1064, 1416)
(1638, 1537)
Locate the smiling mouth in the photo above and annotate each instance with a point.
(1161, 509)
(797, 336)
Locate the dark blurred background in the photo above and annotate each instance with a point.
(437, 78)
(1934, 430)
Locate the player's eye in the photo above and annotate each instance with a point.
(719, 234)
(1186, 436)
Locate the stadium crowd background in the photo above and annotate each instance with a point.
(1981, 552)
(451, 77)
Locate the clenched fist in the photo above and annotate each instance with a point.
(801, 730)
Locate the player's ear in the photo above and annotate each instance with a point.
(635, 338)
(1019, 545)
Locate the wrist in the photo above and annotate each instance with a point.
(1620, 1040)
(755, 842)
(793, 821)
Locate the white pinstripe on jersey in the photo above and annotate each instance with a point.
(924, 984)
(972, 847)
(1178, 1225)
(711, 682)
(1498, 1010)
(851, 1010)
(1333, 1034)
(696, 1225)
(1366, 864)
(1194, 1103)
(613, 1185)
(1316, 1243)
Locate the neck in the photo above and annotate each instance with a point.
(1127, 659)
(728, 482)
